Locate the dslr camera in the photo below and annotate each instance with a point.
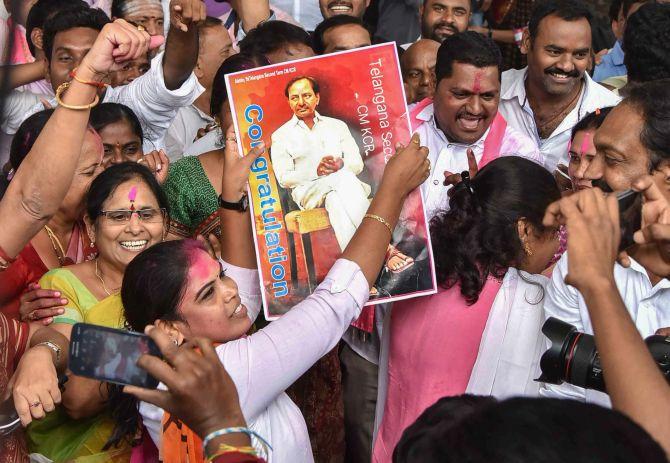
(573, 357)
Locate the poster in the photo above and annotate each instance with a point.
(330, 123)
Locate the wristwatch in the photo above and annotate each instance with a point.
(241, 206)
(53, 346)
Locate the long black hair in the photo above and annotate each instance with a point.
(152, 289)
(478, 236)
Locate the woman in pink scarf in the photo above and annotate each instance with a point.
(480, 333)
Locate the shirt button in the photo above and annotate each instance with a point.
(336, 288)
(436, 182)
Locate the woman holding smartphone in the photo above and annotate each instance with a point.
(178, 286)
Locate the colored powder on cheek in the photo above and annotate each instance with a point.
(477, 85)
(585, 143)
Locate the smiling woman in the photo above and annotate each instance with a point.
(126, 213)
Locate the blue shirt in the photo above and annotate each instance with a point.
(611, 64)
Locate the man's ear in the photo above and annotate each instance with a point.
(36, 37)
(526, 42)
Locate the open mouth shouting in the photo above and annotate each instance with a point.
(469, 122)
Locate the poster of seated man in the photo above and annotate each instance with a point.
(331, 123)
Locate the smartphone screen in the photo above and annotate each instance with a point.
(110, 355)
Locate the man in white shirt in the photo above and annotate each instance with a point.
(215, 46)
(155, 97)
(632, 141)
(317, 158)
(546, 99)
(464, 115)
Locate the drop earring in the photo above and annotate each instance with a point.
(527, 249)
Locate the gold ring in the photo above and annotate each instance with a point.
(141, 28)
(35, 404)
(231, 139)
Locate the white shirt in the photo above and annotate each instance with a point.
(15, 106)
(305, 12)
(153, 104)
(209, 142)
(649, 307)
(264, 364)
(445, 155)
(184, 129)
(515, 108)
(297, 150)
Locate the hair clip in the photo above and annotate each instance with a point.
(10, 175)
(465, 178)
(597, 111)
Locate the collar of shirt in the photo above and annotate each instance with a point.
(299, 122)
(616, 54)
(635, 266)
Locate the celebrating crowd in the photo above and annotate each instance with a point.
(540, 146)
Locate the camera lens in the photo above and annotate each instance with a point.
(571, 358)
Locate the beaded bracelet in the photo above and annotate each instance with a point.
(224, 431)
(64, 86)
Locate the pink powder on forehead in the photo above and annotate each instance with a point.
(132, 194)
(585, 143)
(569, 145)
(477, 85)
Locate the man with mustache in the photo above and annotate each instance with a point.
(443, 18)
(633, 141)
(462, 126)
(546, 99)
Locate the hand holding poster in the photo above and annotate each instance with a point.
(331, 123)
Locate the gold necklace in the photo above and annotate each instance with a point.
(104, 286)
(56, 244)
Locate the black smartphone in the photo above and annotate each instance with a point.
(630, 216)
(110, 355)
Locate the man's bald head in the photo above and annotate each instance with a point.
(418, 69)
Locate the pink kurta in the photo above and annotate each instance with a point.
(434, 345)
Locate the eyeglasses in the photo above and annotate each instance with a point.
(145, 215)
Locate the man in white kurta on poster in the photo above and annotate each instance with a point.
(318, 160)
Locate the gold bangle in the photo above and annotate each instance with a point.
(381, 220)
(64, 86)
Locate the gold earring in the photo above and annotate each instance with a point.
(527, 249)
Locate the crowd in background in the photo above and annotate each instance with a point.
(123, 205)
